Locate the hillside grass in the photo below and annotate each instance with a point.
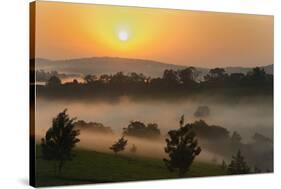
(96, 167)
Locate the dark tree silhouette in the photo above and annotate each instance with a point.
(119, 79)
(133, 149)
(223, 165)
(60, 140)
(216, 78)
(257, 74)
(105, 78)
(139, 129)
(93, 127)
(137, 78)
(210, 132)
(260, 139)
(238, 165)
(75, 82)
(119, 145)
(188, 76)
(171, 77)
(173, 83)
(236, 138)
(54, 81)
(90, 79)
(182, 148)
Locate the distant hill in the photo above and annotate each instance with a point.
(110, 65)
(268, 69)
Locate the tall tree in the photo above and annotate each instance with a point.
(238, 165)
(59, 141)
(119, 145)
(223, 165)
(182, 148)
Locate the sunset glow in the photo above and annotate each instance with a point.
(66, 30)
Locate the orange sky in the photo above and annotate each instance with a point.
(203, 39)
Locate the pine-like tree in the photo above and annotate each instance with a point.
(119, 145)
(238, 165)
(59, 141)
(223, 165)
(182, 148)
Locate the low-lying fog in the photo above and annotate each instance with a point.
(247, 117)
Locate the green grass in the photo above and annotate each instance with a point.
(95, 167)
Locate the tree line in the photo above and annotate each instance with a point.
(188, 80)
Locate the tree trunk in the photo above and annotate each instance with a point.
(60, 166)
(181, 173)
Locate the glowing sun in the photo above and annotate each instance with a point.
(123, 35)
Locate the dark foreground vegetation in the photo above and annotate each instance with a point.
(94, 167)
(180, 83)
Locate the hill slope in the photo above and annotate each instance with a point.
(95, 167)
(110, 65)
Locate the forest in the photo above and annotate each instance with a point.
(180, 83)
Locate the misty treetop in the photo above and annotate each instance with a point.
(93, 126)
(202, 111)
(139, 129)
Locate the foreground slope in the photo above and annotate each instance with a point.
(95, 167)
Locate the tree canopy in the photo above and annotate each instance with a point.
(182, 148)
(139, 129)
(119, 145)
(238, 165)
(60, 139)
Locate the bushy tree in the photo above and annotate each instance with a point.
(182, 148)
(209, 132)
(257, 74)
(54, 81)
(238, 165)
(188, 75)
(216, 74)
(90, 79)
(105, 78)
(119, 145)
(171, 77)
(59, 141)
(139, 129)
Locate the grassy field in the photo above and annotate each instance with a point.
(95, 167)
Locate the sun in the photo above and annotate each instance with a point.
(123, 35)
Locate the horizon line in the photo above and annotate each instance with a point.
(156, 61)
